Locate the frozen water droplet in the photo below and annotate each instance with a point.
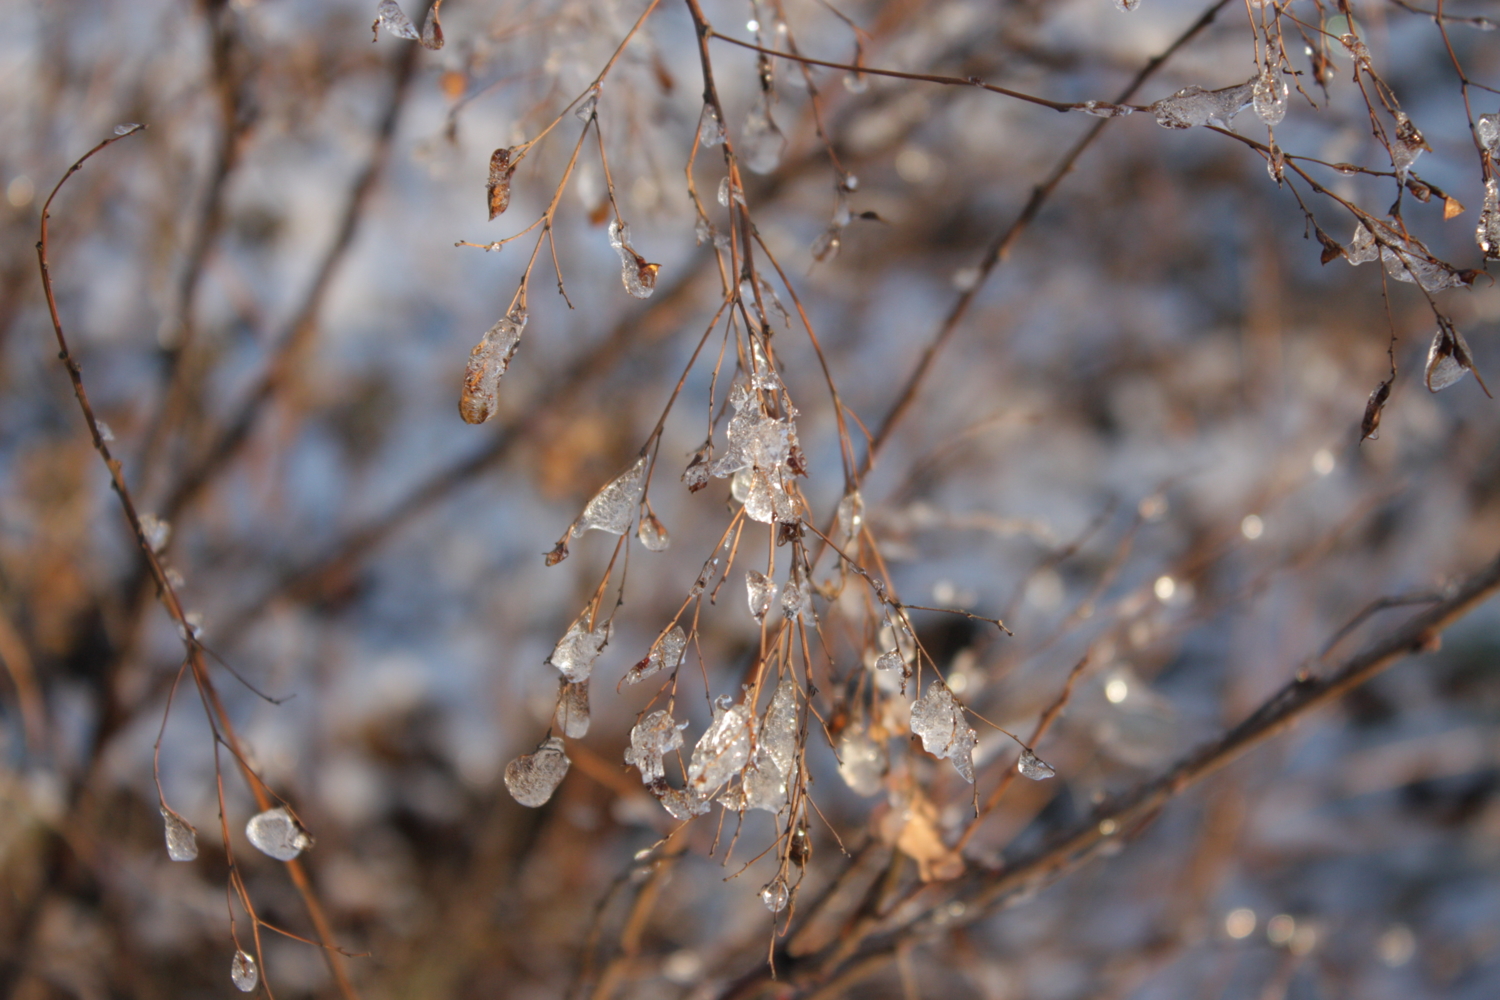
(572, 713)
(243, 973)
(1127, 5)
(576, 651)
(722, 751)
(938, 719)
(532, 778)
(497, 190)
(393, 19)
(1487, 128)
(1407, 145)
(1447, 359)
(590, 104)
(637, 274)
(488, 361)
(126, 128)
(613, 507)
(775, 895)
(739, 486)
(666, 654)
(653, 534)
(1033, 767)
(778, 732)
(682, 803)
(828, 243)
(1362, 248)
(1103, 109)
(761, 141)
(760, 501)
(1269, 97)
(158, 531)
(761, 593)
(1488, 232)
(710, 130)
(796, 599)
(655, 736)
(277, 834)
(862, 761)
(851, 513)
(1357, 49)
(890, 660)
(856, 83)
(106, 433)
(182, 839)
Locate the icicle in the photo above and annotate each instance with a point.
(652, 533)
(710, 130)
(638, 275)
(613, 507)
(776, 895)
(497, 191)
(761, 141)
(761, 593)
(655, 736)
(277, 834)
(666, 654)
(938, 719)
(1488, 232)
(488, 361)
(1033, 767)
(242, 970)
(862, 761)
(182, 839)
(532, 778)
(722, 751)
(576, 651)
(1269, 97)
(572, 713)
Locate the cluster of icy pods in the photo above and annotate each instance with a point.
(275, 833)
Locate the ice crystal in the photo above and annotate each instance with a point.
(761, 141)
(652, 533)
(776, 894)
(665, 654)
(1405, 258)
(588, 107)
(1448, 358)
(576, 651)
(126, 128)
(729, 192)
(276, 833)
(243, 973)
(637, 274)
(532, 778)
(655, 736)
(613, 507)
(1357, 49)
(1487, 128)
(1033, 767)
(763, 786)
(760, 497)
(938, 719)
(756, 439)
(710, 130)
(851, 513)
(722, 751)
(572, 713)
(1488, 232)
(1269, 97)
(1193, 106)
(182, 839)
(760, 592)
(862, 761)
(488, 361)
(497, 191)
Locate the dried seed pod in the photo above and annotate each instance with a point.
(502, 166)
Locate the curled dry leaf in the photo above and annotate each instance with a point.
(497, 192)
(1369, 427)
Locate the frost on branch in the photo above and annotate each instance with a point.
(182, 839)
(1193, 106)
(761, 142)
(243, 973)
(638, 275)
(577, 650)
(613, 507)
(722, 751)
(1405, 257)
(532, 778)
(497, 191)
(1448, 359)
(938, 719)
(277, 833)
(572, 712)
(655, 736)
(1033, 767)
(488, 361)
(666, 654)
